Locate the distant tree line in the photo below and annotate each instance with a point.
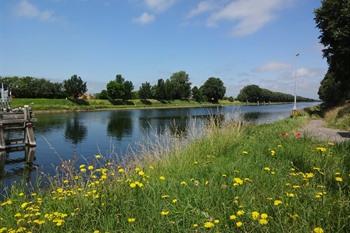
(254, 94)
(333, 20)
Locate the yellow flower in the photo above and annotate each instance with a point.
(321, 149)
(237, 181)
(21, 194)
(3, 229)
(264, 216)
(96, 231)
(164, 212)
(216, 221)
(131, 220)
(240, 212)
(239, 224)
(338, 179)
(162, 178)
(273, 152)
(267, 169)
(82, 166)
(195, 225)
(318, 230)
(39, 222)
(255, 215)
(141, 173)
(98, 156)
(263, 221)
(132, 185)
(233, 217)
(24, 205)
(83, 170)
(277, 202)
(209, 225)
(184, 183)
(91, 167)
(245, 152)
(121, 170)
(174, 201)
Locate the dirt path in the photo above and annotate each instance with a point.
(318, 130)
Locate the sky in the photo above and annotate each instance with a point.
(240, 41)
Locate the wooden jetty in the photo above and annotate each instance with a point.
(19, 123)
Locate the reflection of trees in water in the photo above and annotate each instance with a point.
(75, 131)
(48, 123)
(252, 116)
(120, 124)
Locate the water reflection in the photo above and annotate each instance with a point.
(75, 130)
(120, 124)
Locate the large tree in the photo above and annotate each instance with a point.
(119, 88)
(181, 85)
(75, 86)
(213, 89)
(333, 20)
(197, 94)
(250, 93)
(145, 91)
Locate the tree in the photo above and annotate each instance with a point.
(75, 86)
(197, 94)
(333, 20)
(103, 95)
(159, 90)
(181, 85)
(145, 91)
(250, 93)
(119, 88)
(213, 89)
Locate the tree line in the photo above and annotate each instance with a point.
(333, 20)
(253, 93)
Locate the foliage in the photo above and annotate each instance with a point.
(333, 20)
(120, 88)
(213, 89)
(145, 91)
(75, 86)
(103, 95)
(197, 94)
(29, 87)
(253, 93)
(181, 86)
(265, 178)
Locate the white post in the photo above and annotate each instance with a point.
(295, 84)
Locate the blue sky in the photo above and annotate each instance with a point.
(240, 41)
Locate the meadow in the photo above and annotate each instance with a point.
(266, 178)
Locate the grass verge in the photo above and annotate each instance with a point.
(264, 178)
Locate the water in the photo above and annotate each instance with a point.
(80, 136)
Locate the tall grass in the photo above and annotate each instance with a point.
(253, 179)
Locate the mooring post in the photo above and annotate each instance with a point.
(2, 162)
(29, 154)
(29, 138)
(2, 139)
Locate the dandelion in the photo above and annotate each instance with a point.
(195, 225)
(321, 149)
(318, 230)
(184, 183)
(277, 202)
(216, 221)
(164, 212)
(240, 212)
(237, 181)
(162, 178)
(264, 216)
(255, 215)
(339, 179)
(141, 173)
(273, 152)
(263, 221)
(121, 170)
(18, 215)
(21, 194)
(91, 167)
(233, 217)
(239, 224)
(39, 222)
(131, 220)
(267, 169)
(83, 170)
(132, 185)
(209, 225)
(174, 201)
(98, 156)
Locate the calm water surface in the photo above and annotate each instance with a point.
(80, 136)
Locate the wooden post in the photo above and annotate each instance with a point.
(2, 138)
(29, 154)
(29, 138)
(2, 162)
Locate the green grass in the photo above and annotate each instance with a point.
(339, 117)
(95, 104)
(299, 172)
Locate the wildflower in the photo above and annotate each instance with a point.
(263, 221)
(164, 212)
(141, 173)
(195, 225)
(240, 212)
(8, 202)
(164, 196)
(83, 170)
(264, 216)
(209, 225)
(309, 175)
(277, 202)
(131, 220)
(21, 194)
(290, 194)
(91, 167)
(245, 152)
(255, 215)
(162, 178)
(184, 183)
(237, 181)
(82, 166)
(121, 170)
(273, 152)
(24, 205)
(39, 222)
(233, 217)
(321, 149)
(3, 229)
(297, 135)
(132, 185)
(174, 201)
(216, 221)
(239, 224)
(18, 215)
(267, 169)
(318, 230)
(98, 156)
(338, 179)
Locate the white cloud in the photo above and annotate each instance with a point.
(159, 5)
(248, 15)
(145, 18)
(308, 73)
(202, 7)
(272, 67)
(27, 10)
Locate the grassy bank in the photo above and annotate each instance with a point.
(94, 104)
(266, 178)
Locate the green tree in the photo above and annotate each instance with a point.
(103, 95)
(181, 85)
(333, 20)
(250, 93)
(159, 90)
(145, 91)
(75, 86)
(119, 88)
(197, 94)
(213, 89)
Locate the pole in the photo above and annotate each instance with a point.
(295, 85)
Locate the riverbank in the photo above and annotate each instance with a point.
(266, 178)
(64, 105)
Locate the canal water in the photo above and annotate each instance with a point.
(80, 136)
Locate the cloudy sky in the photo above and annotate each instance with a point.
(240, 41)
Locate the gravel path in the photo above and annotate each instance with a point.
(318, 130)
